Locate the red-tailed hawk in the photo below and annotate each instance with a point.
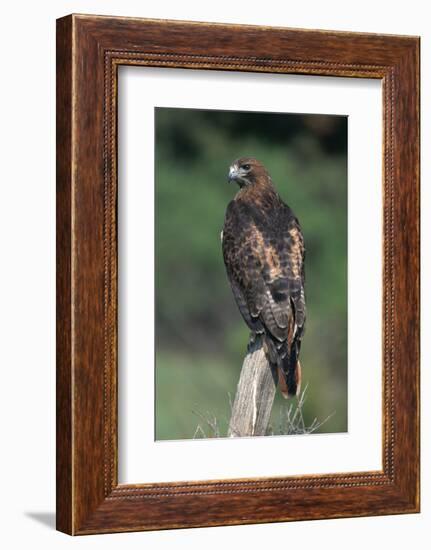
(263, 250)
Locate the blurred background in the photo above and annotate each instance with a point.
(201, 338)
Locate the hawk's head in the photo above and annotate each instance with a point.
(246, 171)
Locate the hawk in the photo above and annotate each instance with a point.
(263, 251)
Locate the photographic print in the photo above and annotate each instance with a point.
(250, 273)
(214, 259)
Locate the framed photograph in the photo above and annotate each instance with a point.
(237, 274)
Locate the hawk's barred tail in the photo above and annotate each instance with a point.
(289, 367)
(289, 380)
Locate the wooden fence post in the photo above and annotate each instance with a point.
(255, 393)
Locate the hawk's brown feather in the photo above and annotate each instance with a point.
(263, 251)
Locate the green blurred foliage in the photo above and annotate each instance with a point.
(200, 336)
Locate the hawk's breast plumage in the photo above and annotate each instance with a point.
(263, 250)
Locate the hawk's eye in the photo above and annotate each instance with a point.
(246, 167)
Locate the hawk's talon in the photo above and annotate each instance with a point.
(254, 337)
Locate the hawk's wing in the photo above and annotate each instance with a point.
(265, 266)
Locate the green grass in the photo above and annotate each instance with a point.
(193, 391)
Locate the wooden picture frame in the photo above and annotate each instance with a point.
(89, 51)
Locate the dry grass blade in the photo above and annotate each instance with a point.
(212, 425)
(291, 421)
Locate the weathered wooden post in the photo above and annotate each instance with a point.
(255, 393)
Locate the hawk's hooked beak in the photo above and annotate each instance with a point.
(233, 174)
